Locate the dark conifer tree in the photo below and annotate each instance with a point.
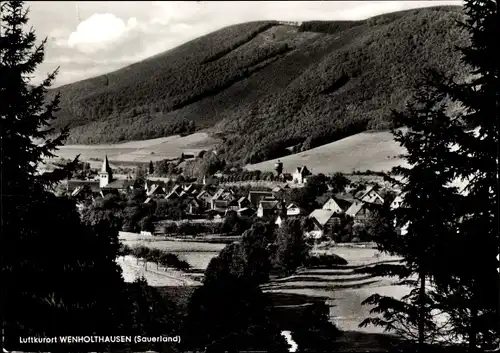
(151, 168)
(59, 276)
(425, 222)
(464, 278)
(472, 301)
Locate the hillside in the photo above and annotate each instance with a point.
(266, 86)
(375, 151)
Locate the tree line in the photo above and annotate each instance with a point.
(157, 256)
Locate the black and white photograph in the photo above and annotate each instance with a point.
(249, 176)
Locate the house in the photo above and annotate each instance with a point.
(268, 208)
(300, 175)
(280, 220)
(245, 211)
(233, 205)
(204, 197)
(194, 207)
(256, 196)
(218, 199)
(359, 211)
(173, 194)
(119, 185)
(397, 202)
(332, 205)
(344, 199)
(324, 220)
(156, 189)
(286, 177)
(293, 210)
(243, 202)
(370, 195)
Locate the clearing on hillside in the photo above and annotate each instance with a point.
(142, 151)
(375, 151)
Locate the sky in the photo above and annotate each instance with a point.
(88, 38)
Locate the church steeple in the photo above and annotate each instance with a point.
(105, 165)
(106, 174)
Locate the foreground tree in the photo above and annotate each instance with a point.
(290, 248)
(427, 215)
(467, 293)
(472, 301)
(53, 280)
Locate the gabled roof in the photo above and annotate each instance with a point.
(360, 194)
(322, 216)
(303, 170)
(203, 194)
(345, 197)
(171, 194)
(332, 204)
(269, 205)
(120, 184)
(354, 209)
(292, 204)
(277, 189)
(194, 202)
(155, 188)
(73, 184)
(245, 209)
(218, 194)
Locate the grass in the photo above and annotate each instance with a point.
(376, 151)
(141, 151)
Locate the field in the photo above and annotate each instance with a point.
(375, 151)
(343, 289)
(141, 151)
(197, 254)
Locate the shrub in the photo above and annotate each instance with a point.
(324, 261)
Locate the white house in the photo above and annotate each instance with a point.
(370, 195)
(294, 210)
(332, 205)
(280, 220)
(300, 175)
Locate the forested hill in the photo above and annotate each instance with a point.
(275, 85)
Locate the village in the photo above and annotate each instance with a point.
(210, 200)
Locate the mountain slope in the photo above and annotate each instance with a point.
(375, 151)
(269, 86)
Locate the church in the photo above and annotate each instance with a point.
(105, 184)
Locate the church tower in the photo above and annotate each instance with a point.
(106, 174)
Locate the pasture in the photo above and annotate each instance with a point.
(141, 151)
(341, 287)
(375, 151)
(197, 254)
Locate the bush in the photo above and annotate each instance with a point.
(324, 261)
